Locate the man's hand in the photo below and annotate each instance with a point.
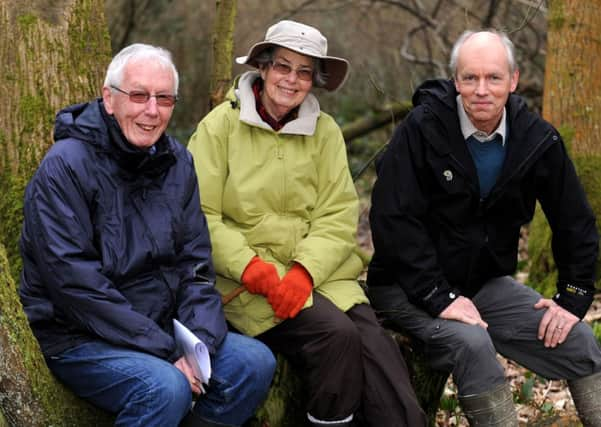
(556, 323)
(183, 366)
(463, 310)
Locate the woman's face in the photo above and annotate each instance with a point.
(287, 81)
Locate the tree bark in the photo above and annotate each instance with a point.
(52, 53)
(223, 49)
(572, 103)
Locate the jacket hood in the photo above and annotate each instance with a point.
(80, 121)
(438, 91)
(442, 92)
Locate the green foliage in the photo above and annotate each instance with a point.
(526, 391)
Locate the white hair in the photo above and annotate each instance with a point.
(136, 52)
(509, 49)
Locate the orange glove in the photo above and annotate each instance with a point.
(260, 276)
(288, 298)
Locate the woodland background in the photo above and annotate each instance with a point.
(54, 53)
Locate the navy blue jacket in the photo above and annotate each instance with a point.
(436, 238)
(114, 242)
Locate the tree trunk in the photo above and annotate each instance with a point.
(223, 49)
(52, 53)
(572, 103)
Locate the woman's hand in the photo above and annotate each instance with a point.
(259, 277)
(290, 296)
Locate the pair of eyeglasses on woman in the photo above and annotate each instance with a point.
(141, 97)
(282, 68)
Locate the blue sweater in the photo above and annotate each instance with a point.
(488, 157)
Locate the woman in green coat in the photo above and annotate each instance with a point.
(282, 213)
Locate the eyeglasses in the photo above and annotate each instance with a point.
(285, 69)
(140, 97)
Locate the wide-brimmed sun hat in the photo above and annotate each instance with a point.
(305, 40)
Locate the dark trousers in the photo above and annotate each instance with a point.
(469, 352)
(350, 364)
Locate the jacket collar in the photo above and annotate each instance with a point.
(527, 131)
(304, 124)
(90, 122)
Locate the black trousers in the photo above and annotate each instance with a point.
(350, 365)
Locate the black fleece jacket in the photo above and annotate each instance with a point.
(437, 239)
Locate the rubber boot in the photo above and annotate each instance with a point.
(586, 393)
(491, 408)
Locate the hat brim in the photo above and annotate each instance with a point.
(336, 69)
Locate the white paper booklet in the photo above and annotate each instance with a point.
(194, 350)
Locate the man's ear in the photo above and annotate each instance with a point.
(514, 80)
(107, 98)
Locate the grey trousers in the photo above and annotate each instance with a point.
(469, 352)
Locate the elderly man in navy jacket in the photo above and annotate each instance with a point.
(460, 177)
(115, 247)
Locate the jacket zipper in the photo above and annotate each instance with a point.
(515, 171)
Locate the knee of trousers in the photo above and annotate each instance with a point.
(343, 336)
(582, 353)
(475, 364)
(257, 365)
(171, 389)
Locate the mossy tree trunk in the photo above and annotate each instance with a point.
(52, 53)
(223, 49)
(572, 103)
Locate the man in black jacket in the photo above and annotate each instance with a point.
(460, 177)
(115, 247)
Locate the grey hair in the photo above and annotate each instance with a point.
(137, 52)
(509, 49)
(266, 56)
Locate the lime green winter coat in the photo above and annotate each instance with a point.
(285, 196)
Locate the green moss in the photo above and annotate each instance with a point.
(556, 18)
(567, 135)
(31, 109)
(26, 22)
(11, 218)
(282, 407)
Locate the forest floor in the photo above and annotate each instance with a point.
(539, 402)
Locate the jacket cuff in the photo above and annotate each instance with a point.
(574, 298)
(439, 298)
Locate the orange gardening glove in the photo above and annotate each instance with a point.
(260, 276)
(288, 298)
